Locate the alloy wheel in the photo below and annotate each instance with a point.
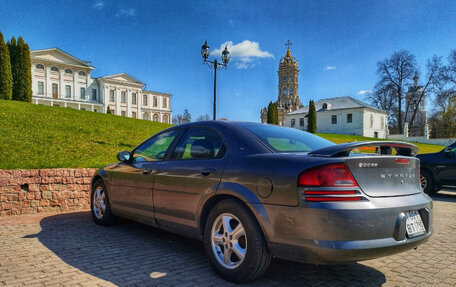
(228, 240)
(423, 182)
(99, 202)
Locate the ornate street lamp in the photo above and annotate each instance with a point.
(205, 52)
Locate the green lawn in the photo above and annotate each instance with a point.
(33, 136)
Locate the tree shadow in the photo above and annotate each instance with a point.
(131, 253)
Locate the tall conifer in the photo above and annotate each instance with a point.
(6, 79)
(21, 70)
(312, 118)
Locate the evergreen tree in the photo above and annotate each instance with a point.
(21, 70)
(6, 79)
(312, 118)
(273, 114)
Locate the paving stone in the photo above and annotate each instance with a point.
(68, 249)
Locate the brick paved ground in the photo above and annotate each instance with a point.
(68, 249)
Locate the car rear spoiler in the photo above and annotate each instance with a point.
(382, 147)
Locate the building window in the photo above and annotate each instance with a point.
(83, 93)
(376, 135)
(82, 73)
(165, 119)
(40, 88)
(293, 122)
(284, 92)
(290, 90)
(165, 103)
(83, 109)
(68, 71)
(371, 121)
(55, 91)
(155, 101)
(111, 95)
(123, 113)
(67, 91)
(291, 78)
(301, 122)
(334, 119)
(325, 106)
(155, 118)
(383, 122)
(122, 97)
(133, 115)
(145, 100)
(95, 110)
(146, 116)
(284, 79)
(349, 118)
(133, 98)
(94, 94)
(39, 66)
(54, 69)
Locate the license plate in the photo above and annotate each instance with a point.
(414, 224)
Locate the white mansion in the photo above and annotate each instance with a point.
(60, 79)
(342, 115)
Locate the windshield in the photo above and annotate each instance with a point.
(281, 139)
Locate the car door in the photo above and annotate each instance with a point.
(191, 175)
(446, 169)
(132, 182)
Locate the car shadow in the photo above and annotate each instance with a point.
(446, 195)
(130, 253)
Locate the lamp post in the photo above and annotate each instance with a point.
(205, 52)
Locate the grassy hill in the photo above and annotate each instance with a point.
(33, 136)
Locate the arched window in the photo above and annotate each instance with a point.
(39, 66)
(291, 78)
(284, 92)
(155, 118)
(68, 71)
(165, 119)
(290, 90)
(284, 79)
(325, 106)
(82, 73)
(146, 116)
(54, 69)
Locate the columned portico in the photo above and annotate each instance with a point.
(56, 74)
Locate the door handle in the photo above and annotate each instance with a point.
(147, 171)
(208, 171)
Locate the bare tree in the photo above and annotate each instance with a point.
(182, 119)
(384, 98)
(449, 71)
(204, 117)
(395, 74)
(433, 84)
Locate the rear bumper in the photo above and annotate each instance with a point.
(330, 233)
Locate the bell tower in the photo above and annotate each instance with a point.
(288, 82)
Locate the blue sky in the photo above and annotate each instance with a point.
(337, 43)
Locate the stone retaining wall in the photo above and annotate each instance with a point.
(44, 190)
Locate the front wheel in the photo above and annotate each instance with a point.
(99, 205)
(234, 242)
(427, 182)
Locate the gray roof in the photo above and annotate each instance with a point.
(338, 103)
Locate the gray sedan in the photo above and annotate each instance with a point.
(254, 191)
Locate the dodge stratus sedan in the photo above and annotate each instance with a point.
(255, 191)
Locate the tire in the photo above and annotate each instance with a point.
(243, 237)
(99, 205)
(427, 183)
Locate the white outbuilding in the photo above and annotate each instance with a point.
(342, 115)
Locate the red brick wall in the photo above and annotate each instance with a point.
(44, 190)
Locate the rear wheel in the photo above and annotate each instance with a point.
(427, 182)
(99, 204)
(234, 242)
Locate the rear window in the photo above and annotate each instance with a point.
(281, 139)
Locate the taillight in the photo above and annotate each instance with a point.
(331, 176)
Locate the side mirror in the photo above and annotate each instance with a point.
(123, 156)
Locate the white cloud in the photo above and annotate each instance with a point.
(328, 68)
(363, 92)
(98, 4)
(130, 12)
(243, 54)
